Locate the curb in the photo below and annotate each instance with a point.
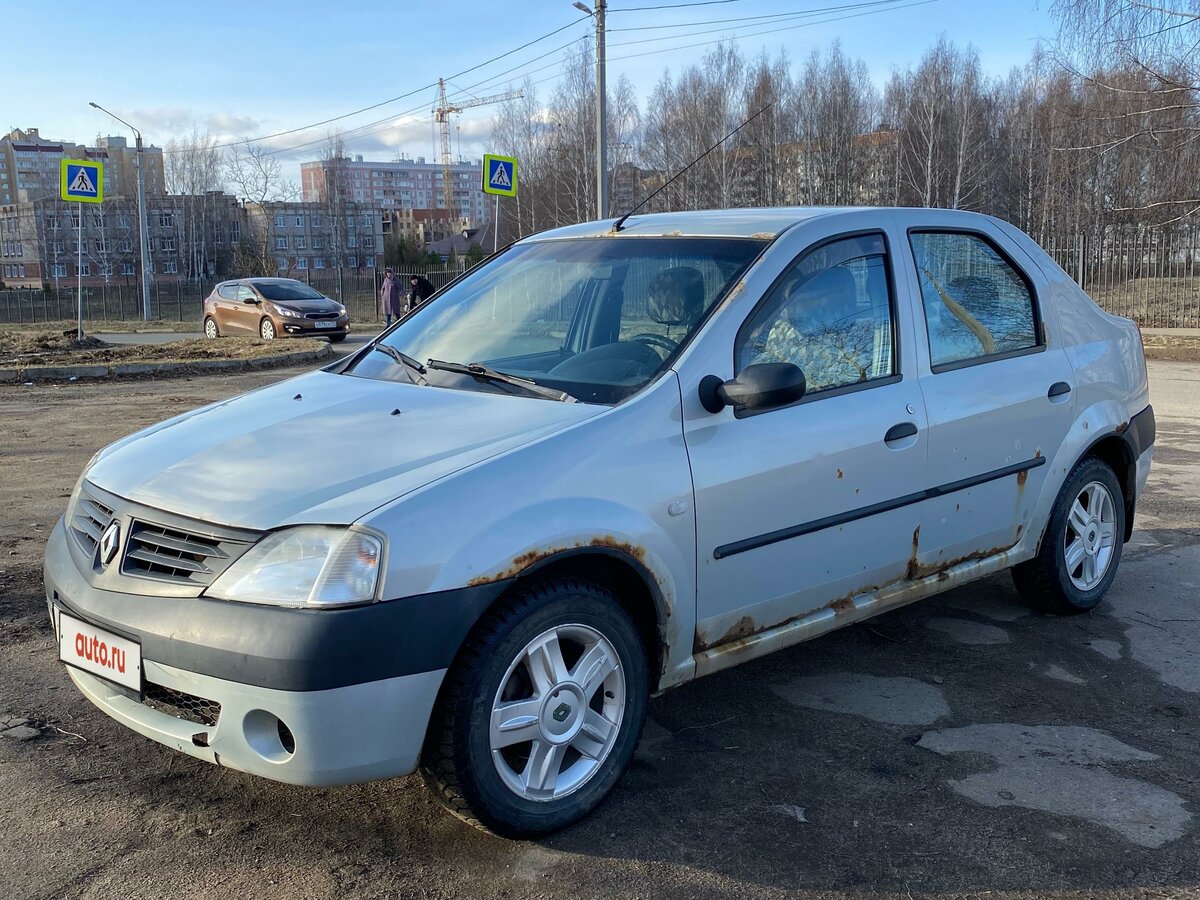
(163, 369)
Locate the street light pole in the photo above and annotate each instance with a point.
(143, 231)
(601, 108)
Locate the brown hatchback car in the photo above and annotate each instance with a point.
(273, 308)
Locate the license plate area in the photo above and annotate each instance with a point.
(327, 324)
(99, 652)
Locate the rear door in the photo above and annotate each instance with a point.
(226, 302)
(998, 393)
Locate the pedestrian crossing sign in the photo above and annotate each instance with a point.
(82, 181)
(500, 175)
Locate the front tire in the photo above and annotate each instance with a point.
(336, 338)
(1081, 549)
(541, 713)
(266, 330)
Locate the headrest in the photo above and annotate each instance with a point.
(677, 296)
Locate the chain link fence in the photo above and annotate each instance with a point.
(1149, 274)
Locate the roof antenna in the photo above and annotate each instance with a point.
(621, 221)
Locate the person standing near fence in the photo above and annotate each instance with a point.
(390, 303)
(419, 290)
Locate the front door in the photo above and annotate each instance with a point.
(998, 393)
(800, 509)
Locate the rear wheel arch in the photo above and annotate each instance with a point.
(1115, 451)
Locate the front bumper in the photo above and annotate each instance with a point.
(308, 327)
(344, 735)
(355, 688)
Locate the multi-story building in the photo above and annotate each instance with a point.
(30, 166)
(189, 237)
(404, 184)
(297, 238)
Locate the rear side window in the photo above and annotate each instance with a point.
(228, 291)
(830, 314)
(976, 302)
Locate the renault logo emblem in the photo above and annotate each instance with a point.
(560, 714)
(109, 542)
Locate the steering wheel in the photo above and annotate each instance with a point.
(656, 340)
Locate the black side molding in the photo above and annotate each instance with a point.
(853, 515)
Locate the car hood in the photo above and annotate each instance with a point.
(321, 448)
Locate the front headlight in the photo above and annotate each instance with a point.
(290, 313)
(312, 566)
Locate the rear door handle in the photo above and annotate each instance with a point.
(1058, 389)
(899, 432)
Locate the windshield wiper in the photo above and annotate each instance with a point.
(478, 371)
(405, 360)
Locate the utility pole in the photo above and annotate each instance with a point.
(143, 230)
(601, 108)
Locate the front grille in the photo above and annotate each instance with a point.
(89, 521)
(180, 705)
(156, 551)
(329, 315)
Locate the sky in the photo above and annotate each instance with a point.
(251, 68)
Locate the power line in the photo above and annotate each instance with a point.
(671, 6)
(401, 96)
(782, 16)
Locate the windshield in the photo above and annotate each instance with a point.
(595, 318)
(287, 290)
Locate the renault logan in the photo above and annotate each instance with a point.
(600, 465)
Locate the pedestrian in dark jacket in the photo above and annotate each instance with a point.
(419, 290)
(391, 299)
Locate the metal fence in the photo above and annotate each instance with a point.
(1150, 274)
(180, 301)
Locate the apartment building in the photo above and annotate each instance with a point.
(30, 166)
(295, 238)
(43, 241)
(404, 184)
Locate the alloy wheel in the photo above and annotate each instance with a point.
(1090, 536)
(267, 330)
(557, 713)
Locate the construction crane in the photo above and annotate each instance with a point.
(441, 115)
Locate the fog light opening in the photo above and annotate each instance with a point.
(286, 739)
(268, 736)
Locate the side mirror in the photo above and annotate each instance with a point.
(763, 386)
(253, 300)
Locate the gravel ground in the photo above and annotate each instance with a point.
(961, 747)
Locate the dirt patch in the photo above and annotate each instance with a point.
(96, 326)
(1183, 348)
(22, 349)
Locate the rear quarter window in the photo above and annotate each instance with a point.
(977, 304)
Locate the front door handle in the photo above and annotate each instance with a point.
(1058, 389)
(900, 432)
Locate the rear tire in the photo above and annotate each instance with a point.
(210, 328)
(540, 714)
(1081, 548)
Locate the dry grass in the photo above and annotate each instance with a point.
(50, 348)
(92, 326)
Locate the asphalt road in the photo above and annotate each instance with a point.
(963, 746)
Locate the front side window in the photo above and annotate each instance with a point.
(596, 318)
(976, 303)
(830, 314)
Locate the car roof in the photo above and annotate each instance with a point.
(763, 223)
